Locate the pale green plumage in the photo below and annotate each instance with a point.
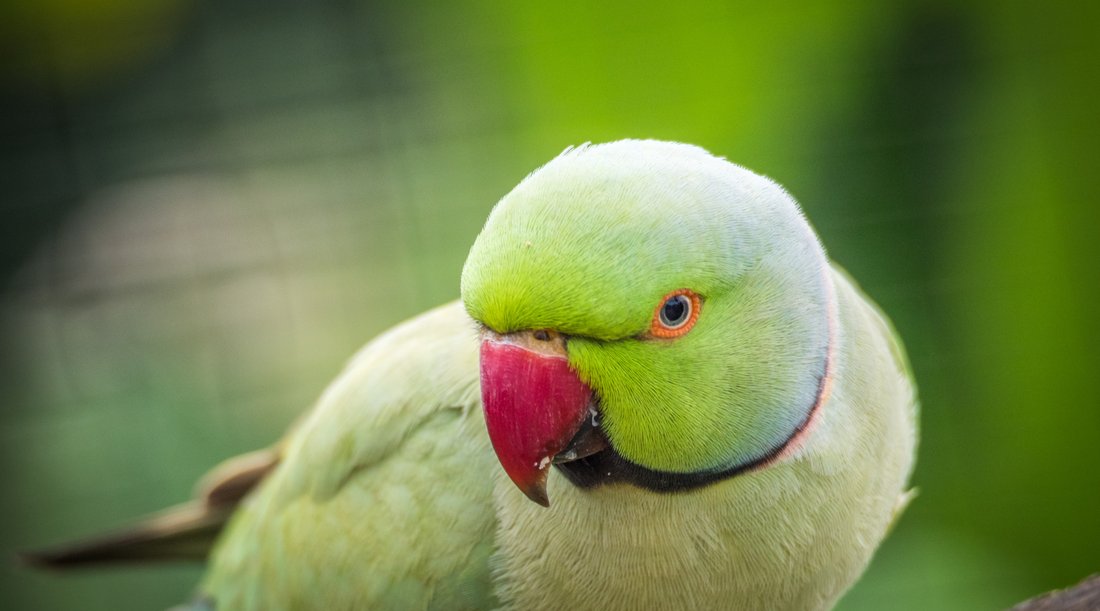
(384, 497)
(389, 495)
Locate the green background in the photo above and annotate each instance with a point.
(205, 207)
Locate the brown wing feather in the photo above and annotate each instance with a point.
(228, 483)
(183, 532)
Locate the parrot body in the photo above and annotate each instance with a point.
(715, 416)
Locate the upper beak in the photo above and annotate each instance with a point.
(534, 406)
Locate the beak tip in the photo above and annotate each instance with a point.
(537, 493)
(535, 489)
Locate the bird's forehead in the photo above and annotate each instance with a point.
(635, 193)
(589, 242)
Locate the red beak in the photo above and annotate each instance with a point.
(534, 404)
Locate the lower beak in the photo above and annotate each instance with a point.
(534, 406)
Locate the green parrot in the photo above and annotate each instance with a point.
(656, 393)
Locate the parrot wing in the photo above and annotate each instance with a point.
(383, 498)
(380, 496)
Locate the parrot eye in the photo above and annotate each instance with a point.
(676, 314)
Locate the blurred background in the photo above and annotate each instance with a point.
(206, 207)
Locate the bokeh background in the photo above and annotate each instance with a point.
(207, 206)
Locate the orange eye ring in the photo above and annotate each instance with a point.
(665, 326)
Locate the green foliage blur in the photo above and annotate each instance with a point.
(205, 207)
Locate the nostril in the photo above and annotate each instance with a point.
(542, 335)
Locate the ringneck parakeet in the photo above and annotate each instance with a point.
(656, 393)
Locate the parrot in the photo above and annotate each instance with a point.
(656, 392)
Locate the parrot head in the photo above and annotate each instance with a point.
(650, 314)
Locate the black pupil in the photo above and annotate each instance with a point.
(675, 310)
